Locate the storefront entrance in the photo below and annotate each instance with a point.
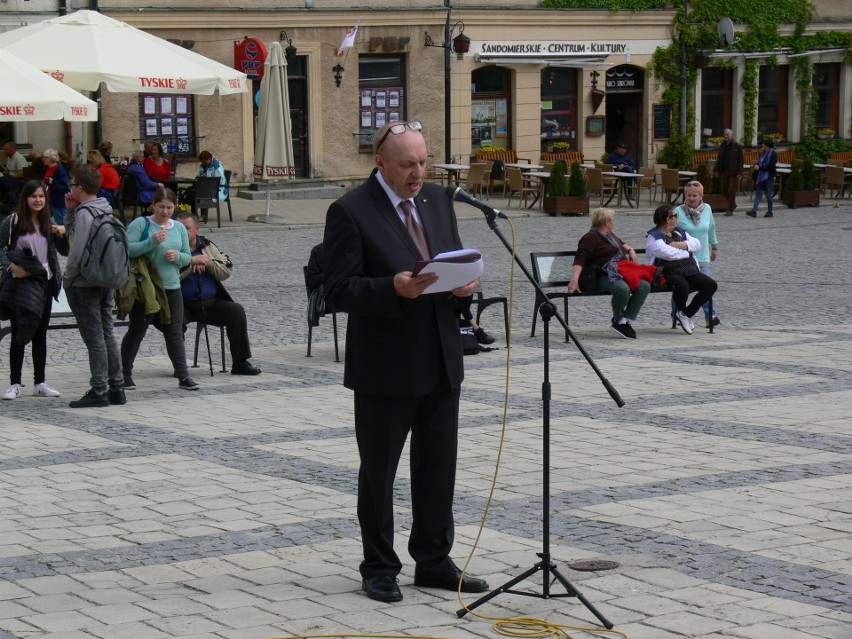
(624, 102)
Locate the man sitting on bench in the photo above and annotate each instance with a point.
(205, 298)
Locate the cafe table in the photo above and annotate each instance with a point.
(543, 176)
(179, 185)
(623, 178)
(452, 170)
(523, 166)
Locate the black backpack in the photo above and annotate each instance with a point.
(106, 256)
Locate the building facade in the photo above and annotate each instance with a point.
(532, 78)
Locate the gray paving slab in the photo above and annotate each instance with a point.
(721, 488)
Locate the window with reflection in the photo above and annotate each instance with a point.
(489, 115)
(826, 83)
(772, 101)
(716, 98)
(558, 108)
(381, 96)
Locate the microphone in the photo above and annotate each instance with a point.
(458, 194)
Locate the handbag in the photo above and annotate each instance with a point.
(470, 346)
(685, 266)
(589, 277)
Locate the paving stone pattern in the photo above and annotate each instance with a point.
(721, 488)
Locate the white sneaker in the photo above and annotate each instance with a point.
(14, 392)
(43, 390)
(684, 322)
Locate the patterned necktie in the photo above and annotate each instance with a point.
(414, 229)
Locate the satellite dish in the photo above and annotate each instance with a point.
(726, 31)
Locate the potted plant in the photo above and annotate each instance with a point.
(714, 142)
(826, 134)
(566, 197)
(561, 147)
(712, 198)
(801, 188)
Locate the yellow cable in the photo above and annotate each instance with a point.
(526, 627)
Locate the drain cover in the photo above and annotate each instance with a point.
(593, 565)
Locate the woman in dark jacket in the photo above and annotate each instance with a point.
(56, 181)
(764, 177)
(27, 238)
(599, 251)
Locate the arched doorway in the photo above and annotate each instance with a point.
(624, 109)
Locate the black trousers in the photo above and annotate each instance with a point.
(382, 425)
(704, 285)
(224, 313)
(39, 346)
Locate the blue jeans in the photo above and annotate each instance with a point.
(704, 267)
(92, 308)
(767, 186)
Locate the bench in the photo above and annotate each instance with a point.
(552, 269)
(508, 156)
(59, 320)
(844, 156)
(569, 156)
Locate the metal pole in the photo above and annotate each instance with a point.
(683, 83)
(447, 68)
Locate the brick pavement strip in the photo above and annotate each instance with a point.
(721, 488)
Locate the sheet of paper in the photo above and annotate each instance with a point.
(453, 268)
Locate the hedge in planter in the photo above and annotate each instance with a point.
(566, 198)
(801, 188)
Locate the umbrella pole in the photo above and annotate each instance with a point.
(268, 217)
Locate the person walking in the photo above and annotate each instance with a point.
(92, 305)
(764, 180)
(403, 357)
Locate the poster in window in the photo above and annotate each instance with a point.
(166, 126)
(366, 120)
(182, 126)
(181, 105)
(366, 98)
(380, 119)
(151, 127)
(393, 99)
(150, 103)
(381, 99)
(500, 119)
(393, 116)
(166, 105)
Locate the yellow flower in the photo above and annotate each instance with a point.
(716, 139)
(830, 132)
(561, 146)
(774, 136)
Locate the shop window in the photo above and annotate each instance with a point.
(381, 96)
(716, 99)
(558, 108)
(489, 115)
(772, 101)
(826, 83)
(169, 120)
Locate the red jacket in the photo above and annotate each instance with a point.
(634, 273)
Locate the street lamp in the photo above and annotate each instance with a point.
(459, 45)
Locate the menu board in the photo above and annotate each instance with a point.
(662, 121)
(168, 120)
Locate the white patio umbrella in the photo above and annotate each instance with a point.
(85, 48)
(273, 151)
(30, 95)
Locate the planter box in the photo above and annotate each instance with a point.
(795, 199)
(716, 201)
(566, 205)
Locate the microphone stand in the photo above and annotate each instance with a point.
(546, 566)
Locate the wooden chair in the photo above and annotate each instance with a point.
(328, 311)
(835, 180)
(595, 183)
(646, 183)
(671, 185)
(477, 178)
(516, 182)
(207, 197)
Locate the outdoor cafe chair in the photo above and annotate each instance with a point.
(207, 197)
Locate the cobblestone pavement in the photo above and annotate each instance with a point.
(721, 488)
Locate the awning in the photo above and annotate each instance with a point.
(575, 61)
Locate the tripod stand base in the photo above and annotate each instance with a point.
(548, 568)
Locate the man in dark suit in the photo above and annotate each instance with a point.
(403, 357)
(729, 167)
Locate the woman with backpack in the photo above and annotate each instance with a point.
(30, 280)
(165, 244)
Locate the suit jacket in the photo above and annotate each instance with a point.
(735, 157)
(394, 347)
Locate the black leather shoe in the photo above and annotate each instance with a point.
(244, 367)
(116, 396)
(382, 588)
(91, 399)
(447, 578)
(751, 213)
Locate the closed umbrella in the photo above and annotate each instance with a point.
(29, 95)
(86, 48)
(273, 152)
